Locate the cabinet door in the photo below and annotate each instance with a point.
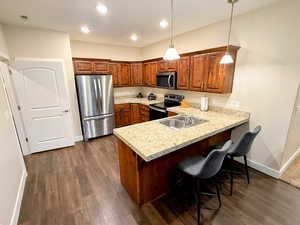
(83, 67)
(137, 74)
(114, 70)
(215, 81)
(124, 77)
(135, 113)
(162, 66)
(198, 73)
(183, 73)
(117, 116)
(101, 67)
(172, 65)
(125, 115)
(153, 73)
(147, 74)
(144, 113)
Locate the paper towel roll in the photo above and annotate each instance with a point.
(204, 103)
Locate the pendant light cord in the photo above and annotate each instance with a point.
(172, 23)
(230, 26)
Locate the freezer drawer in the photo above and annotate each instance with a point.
(98, 126)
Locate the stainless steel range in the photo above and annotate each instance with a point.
(160, 110)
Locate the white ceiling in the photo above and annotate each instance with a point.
(124, 17)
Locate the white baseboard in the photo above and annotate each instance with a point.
(78, 138)
(260, 167)
(288, 163)
(16, 212)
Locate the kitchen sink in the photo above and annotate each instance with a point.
(181, 122)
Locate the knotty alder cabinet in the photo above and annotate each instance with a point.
(197, 71)
(127, 114)
(90, 66)
(121, 74)
(208, 75)
(136, 74)
(150, 71)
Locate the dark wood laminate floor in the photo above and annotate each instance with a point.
(80, 186)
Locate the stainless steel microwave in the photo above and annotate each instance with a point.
(166, 80)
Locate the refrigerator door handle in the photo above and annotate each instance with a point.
(99, 117)
(97, 95)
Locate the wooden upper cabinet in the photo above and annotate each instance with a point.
(90, 66)
(167, 66)
(137, 74)
(147, 74)
(198, 73)
(114, 71)
(101, 67)
(183, 73)
(216, 73)
(83, 67)
(220, 76)
(153, 73)
(124, 75)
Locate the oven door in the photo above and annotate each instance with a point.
(157, 113)
(166, 80)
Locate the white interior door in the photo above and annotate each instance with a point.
(43, 96)
(7, 74)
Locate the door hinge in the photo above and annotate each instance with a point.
(26, 139)
(19, 108)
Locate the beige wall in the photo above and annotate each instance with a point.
(37, 43)
(3, 46)
(12, 166)
(293, 141)
(103, 51)
(267, 73)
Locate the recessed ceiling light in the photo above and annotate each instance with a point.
(102, 9)
(85, 30)
(163, 24)
(134, 37)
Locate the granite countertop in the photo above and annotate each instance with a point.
(151, 140)
(144, 101)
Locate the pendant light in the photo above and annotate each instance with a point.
(171, 53)
(227, 58)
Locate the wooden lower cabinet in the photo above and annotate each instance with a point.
(146, 181)
(128, 114)
(122, 115)
(135, 113)
(144, 113)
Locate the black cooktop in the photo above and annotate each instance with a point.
(166, 104)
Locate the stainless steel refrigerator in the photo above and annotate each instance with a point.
(96, 101)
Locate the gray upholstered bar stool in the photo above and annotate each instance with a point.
(241, 149)
(204, 168)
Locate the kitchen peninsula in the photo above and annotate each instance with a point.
(149, 151)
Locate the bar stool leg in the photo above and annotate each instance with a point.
(197, 192)
(218, 194)
(246, 168)
(231, 175)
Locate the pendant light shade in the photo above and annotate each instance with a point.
(227, 58)
(171, 53)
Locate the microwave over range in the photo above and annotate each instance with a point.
(166, 80)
